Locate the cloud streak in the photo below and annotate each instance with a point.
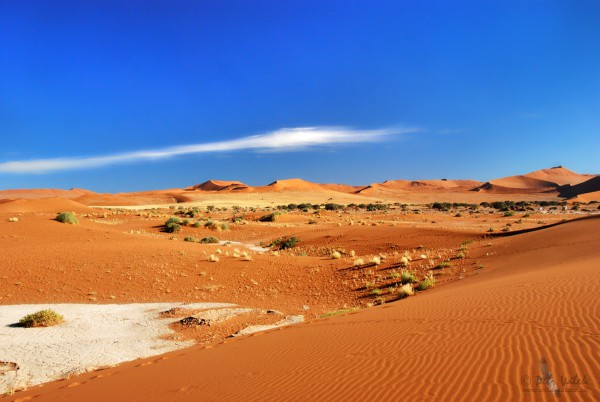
(285, 139)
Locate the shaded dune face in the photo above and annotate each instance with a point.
(535, 299)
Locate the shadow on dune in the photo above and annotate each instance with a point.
(517, 232)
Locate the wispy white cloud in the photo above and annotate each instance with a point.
(284, 139)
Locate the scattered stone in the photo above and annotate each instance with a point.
(193, 322)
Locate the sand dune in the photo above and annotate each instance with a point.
(56, 204)
(403, 186)
(477, 339)
(292, 185)
(220, 185)
(36, 193)
(584, 190)
(535, 185)
(544, 180)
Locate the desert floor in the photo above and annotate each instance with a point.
(506, 294)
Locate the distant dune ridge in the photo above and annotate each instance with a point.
(558, 182)
(543, 180)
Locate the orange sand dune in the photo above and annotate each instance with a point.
(543, 180)
(220, 185)
(559, 175)
(479, 339)
(593, 196)
(35, 193)
(56, 204)
(292, 185)
(402, 186)
(586, 189)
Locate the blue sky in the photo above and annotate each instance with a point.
(98, 94)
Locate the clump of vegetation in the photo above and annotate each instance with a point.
(460, 254)
(405, 291)
(376, 260)
(358, 262)
(211, 225)
(67, 217)
(333, 207)
(509, 213)
(209, 239)
(282, 244)
(376, 291)
(336, 255)
(376, 207)
(197, 224)
(172, 225)
(394, 275)
(213, 258)
(426, 283)
(42, 318)
(224, 226)
(186, 222)
(272, 217)
(404, 261)
(189, 238)
(13, 219)
(407, 277)
(443, 264)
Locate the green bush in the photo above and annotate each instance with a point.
(333, 207)
(272, 217)
(282, 244)
(426, 283)
(189, 238)
(212, 225)
(172, 225)
(67, 217)
(407, 277)
(209, 239)
(42, 318)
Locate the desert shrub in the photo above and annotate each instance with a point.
(282, 244)
(209, 239)
(377, 207)
(358, 262)
(213, 258)
(460, 254)
(197, 224)
(376, 291)
(42, 318)
(376, 260)
(272, 217)
(509, 213)
(189, 238)
(172, 225)
(13, 219)
(441, 206)
(426, 283)
(185, 222)
(405, 291)
(212, 225)
(67, 217)
(443, 264)
(224, 226)
(404, 261)
(289, 243)
(333, 207)
(336, 255)
(407, 277)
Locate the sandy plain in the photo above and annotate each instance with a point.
(510, 289)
